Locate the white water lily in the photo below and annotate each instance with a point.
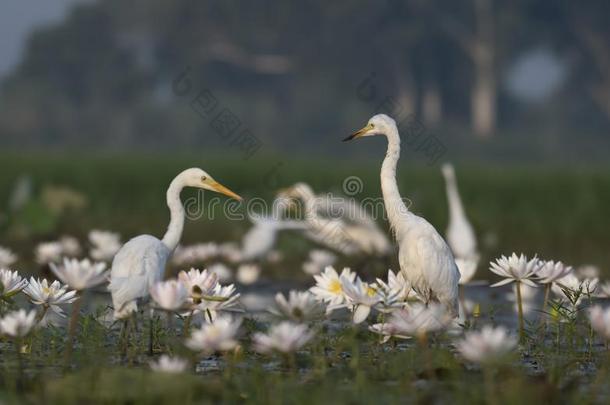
(573, 289)
(394, 293)
(197, 253)
(361, 297)
(248, 273)
(104, 244)
(222, 271)
(218, 336)
(11, 282)
(170, 295)
(328, 286)
(170, 365)
(603, 290)
(300, 306)
(418, 320)
(18, 323)
(7, 257)
(198, 283)
(318, 260)
(285, 337)
(551, 271)
(80, 274)
(48, 252)
(600, 321)
(487, 346)
(515, 268)
(222, 299)
(69, 246)
(49, 295)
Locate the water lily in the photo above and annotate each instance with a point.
(170, 295)
(361, 297)
(328, 286)
(285, 337)
(80, 274)
(170, 365)
(198, 283)
(515, 268)
(213, 337)
(573, 289)
(17, 324)
(222, 299)
(300, 306)
(487, 345)
(7, 257)
(550, 271)
(49, 295)
(418, 320)
(11, 283)
(600, 321)
(248, 273)
(104, 244)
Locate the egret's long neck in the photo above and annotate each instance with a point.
(456, 210)
(176, 223)
(394, 205)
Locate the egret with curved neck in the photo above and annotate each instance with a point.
(424, 257)
(460, 234)
(141, 262)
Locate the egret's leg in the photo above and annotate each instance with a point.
(150, 332)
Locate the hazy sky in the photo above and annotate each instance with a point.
(18, 17)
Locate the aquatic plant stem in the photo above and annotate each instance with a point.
(187, 324)
(520, 311)
(72, 330)
(17, 343)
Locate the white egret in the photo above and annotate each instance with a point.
(140, 263)
(342, 233)
(460, 233)
(424, 256)
(261, 238)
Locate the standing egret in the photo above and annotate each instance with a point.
(424, 257)
(460, 234)
(140, 263)
(260, 239)
(352, 232)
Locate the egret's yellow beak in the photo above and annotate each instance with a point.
(219, 188)
(359, 133)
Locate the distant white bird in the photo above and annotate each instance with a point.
(424, 256)
(460, 233)
(349, 234)
(261, 238)
(140, 263)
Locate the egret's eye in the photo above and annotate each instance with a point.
(372, 125)
(203, 178)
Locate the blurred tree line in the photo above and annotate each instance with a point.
(289, 71)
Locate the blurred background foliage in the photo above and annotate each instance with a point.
(520, 80)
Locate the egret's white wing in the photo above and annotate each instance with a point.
(140, 263)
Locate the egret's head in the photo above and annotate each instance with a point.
(448, 171)
(379, 124)
(198, 178)
(298, 190)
